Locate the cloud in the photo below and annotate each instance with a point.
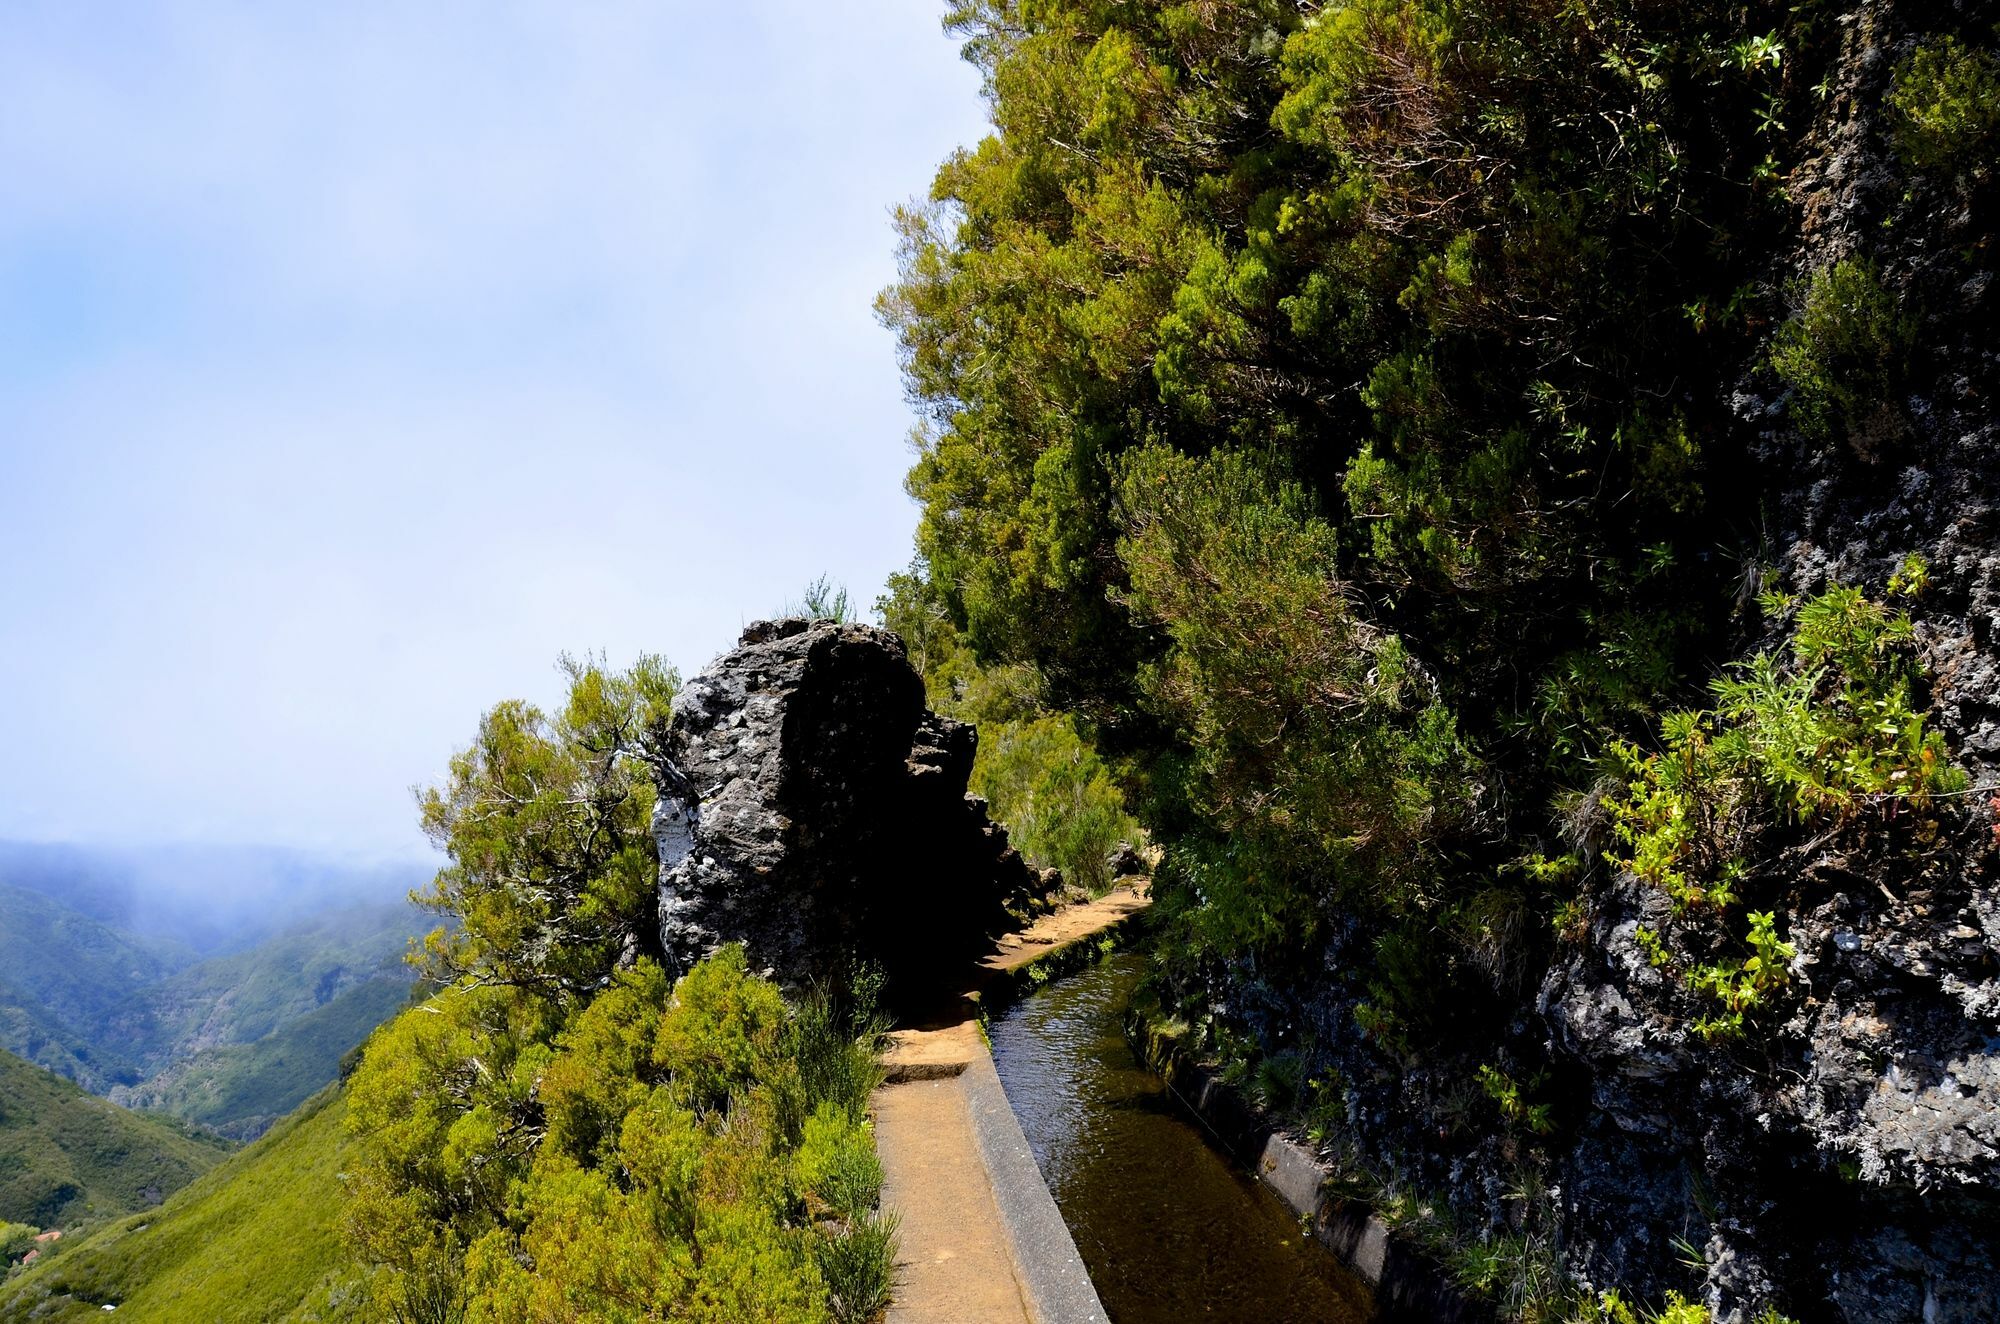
(355, 360)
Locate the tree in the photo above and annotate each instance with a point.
(547, 820)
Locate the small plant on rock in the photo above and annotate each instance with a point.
(1945, 105)
(1843, 354)
(1834, 732)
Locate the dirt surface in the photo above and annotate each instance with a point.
(1068, 925)
(957, 1262)
(956, 1265)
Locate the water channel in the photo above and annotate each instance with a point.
(1170, 1229)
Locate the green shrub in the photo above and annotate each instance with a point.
(1834, 734)
(823, 600)
(1512, 1097)
(551, 1153)
(1318, 746)
(858, 1268)
(1944, 105)
(1844, 353)
(1056, 796)
(16, 1240)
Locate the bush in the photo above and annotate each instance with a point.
(1944, 104)
(633, 1156)
(1056, 796)
(1835, 734)
(859, 1268)
(1319, 746)
(16, 1240)
(1844, 353)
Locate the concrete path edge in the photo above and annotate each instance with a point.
(1051, 1272)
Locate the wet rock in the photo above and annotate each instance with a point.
(814, 810)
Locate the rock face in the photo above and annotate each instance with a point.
(813, 809)
(1845, 1161)
(1855, 1159)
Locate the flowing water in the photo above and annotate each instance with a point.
(1171, 1230)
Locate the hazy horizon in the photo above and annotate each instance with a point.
(356, 364)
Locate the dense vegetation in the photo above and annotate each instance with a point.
(67, 1157)
(1324, 424)
(255, 1241)
(565, 1131)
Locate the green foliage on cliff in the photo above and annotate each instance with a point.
(1835, 733)
(1323, 406)
(1844, 352)
(1308, 414)
(1946, 104)
(566, 1131)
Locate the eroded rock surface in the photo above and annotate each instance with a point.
(813, 809)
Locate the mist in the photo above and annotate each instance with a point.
(210, 898)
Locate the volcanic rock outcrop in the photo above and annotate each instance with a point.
(812, 808)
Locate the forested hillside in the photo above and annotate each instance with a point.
(1510, 490)
(67, 1157)
(230, 1042)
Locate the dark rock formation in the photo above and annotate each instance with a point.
(813, 809)
(1850, 1163)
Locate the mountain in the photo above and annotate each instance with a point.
(256, 1239)
(239, 1089)
(69, 989)
(66, 1155)
(226, 1031)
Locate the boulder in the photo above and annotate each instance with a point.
(812, 808)
(1124, 861)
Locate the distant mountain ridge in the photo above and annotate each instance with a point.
(229, 1020)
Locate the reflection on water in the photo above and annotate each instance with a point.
(1170, 1229)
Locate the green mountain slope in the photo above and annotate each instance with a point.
(240, 998)
(232, 1042)
(66, 1155)
(257, 1239)
(240, 1089)
(70, 990)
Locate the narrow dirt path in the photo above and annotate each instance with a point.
(956, 1259)
(981, 1241)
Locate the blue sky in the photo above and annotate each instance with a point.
(357, 359)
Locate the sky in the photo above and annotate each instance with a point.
(356, 360)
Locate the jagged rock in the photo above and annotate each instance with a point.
(1848, 1162)
(1125, 860)
(813, 809)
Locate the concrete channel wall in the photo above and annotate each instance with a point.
(1408, 1285)
(982, 1241)
(1052, 1274)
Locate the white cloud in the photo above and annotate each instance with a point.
(354, 360)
